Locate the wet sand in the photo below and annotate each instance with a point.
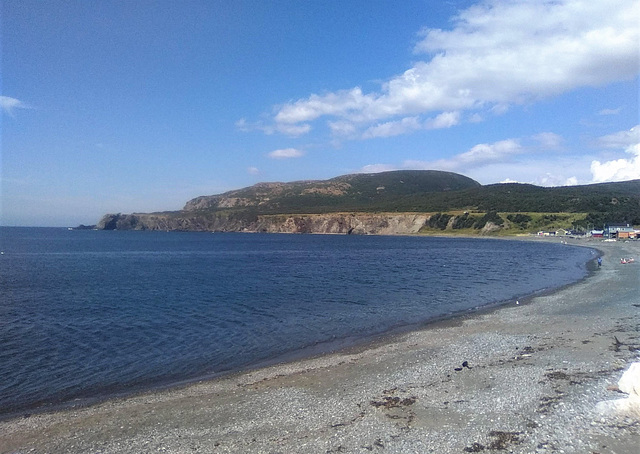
(524, 378)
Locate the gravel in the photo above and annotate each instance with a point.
(525, 378)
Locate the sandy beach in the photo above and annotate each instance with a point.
(524, 378)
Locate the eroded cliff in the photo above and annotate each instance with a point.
(337, 223)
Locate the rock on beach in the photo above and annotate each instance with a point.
(628, 384)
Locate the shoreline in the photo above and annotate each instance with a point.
(319, 349)
(528, 370)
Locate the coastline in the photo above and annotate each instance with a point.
(533, 375)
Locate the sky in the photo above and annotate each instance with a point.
(120, 106)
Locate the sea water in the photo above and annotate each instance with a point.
(89, 314)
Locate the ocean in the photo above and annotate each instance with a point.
(85, 315)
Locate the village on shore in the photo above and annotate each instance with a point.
(608, 232)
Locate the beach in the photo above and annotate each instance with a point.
(526, 377)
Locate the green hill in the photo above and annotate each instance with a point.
(360, 192)
(429, 191)
(605, 202)
(451, 200)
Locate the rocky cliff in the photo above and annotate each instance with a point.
(357, 203)
(343, 223)
(397, 202)
(338, 223)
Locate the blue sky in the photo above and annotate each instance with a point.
(118, 106)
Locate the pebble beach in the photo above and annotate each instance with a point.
(523, 378)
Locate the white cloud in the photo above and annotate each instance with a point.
(623, 168)
(555, 179)
(621, 139)
(410, 124)
(547, 179)
(494, 56)
(243, 126)
(617, 170)
(393, 128)
(479, 155)
(293, 130)
(549, 140)
(342, 128)
(444, 120)
(8, 105)
(340, 104)
(475, 118)
(253, 170)
(286, 153)
(556, 171)
(610, 111)
(510, 160)
(483, 153)
(571, 181)
(377, 168)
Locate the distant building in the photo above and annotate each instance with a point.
(621, 231)
(597, 233)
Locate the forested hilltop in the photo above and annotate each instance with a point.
(350, 203)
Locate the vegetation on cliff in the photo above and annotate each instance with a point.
(357, 192)
(502, 223)
(452, 201)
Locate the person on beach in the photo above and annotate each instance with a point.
(599, 262)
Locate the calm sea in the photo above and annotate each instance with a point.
(89, 314)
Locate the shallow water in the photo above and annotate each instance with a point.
(92, 313)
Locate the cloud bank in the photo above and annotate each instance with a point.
(538, 159)
(494, 56)
(619, 169)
